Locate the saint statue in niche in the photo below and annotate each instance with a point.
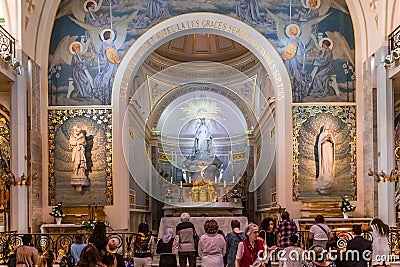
(77, 143)
(326, 161)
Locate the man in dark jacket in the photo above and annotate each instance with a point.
(362, 246)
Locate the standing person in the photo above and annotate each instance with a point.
(164, 247)
(27, 254)
(187, 249)
(380, 243)
(359, 244)
(212, 245)
(99, 238)
(143, 246)
(286, 228)
(268, 234)
(292, 256)
(77, 246)
(232, 240)
(319, 233)
(112, 248)
(248, 249)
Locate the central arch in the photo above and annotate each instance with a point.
(228, 27)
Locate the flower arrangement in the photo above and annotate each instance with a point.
(346, 206)
(235, 193)
(89, 225)
(57, 211)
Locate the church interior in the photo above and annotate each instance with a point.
(131, 111)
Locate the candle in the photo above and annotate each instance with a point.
(233, 179)
(190, 179)
(215, 180)
(224, 183)
(181, 184)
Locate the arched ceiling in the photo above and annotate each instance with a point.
(201, 47)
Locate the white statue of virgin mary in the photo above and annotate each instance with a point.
(326, 161)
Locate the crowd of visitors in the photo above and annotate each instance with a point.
(251, 247)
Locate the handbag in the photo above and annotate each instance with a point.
(175, 245)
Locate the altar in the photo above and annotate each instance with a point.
(201, 199)
(65, 228)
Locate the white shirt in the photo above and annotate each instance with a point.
(319, 234)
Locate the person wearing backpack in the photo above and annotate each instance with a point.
(232, 240)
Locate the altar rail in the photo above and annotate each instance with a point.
(59, 243)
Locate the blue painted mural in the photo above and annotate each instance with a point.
(314, 37)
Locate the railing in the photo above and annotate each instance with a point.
(7, 44)
(60, 243)
(394, 40)
(394, 240)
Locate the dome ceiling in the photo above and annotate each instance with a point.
(201, 47)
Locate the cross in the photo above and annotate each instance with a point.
(202, 166)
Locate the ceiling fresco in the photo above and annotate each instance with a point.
(89, 39)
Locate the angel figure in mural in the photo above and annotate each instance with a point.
(77, 143)
(81, 10)
(323, 69)
(248, 11)
(74, 53)
(108, 64)
(107, 45)
(82, 80)
(333, 47)
(326, 161)
(294, 39)
(308, 12)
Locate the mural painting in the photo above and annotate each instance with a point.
(80, 158)
(324, 153)
(90, 37)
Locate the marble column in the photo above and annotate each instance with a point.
(19, 193)
(385, 121)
